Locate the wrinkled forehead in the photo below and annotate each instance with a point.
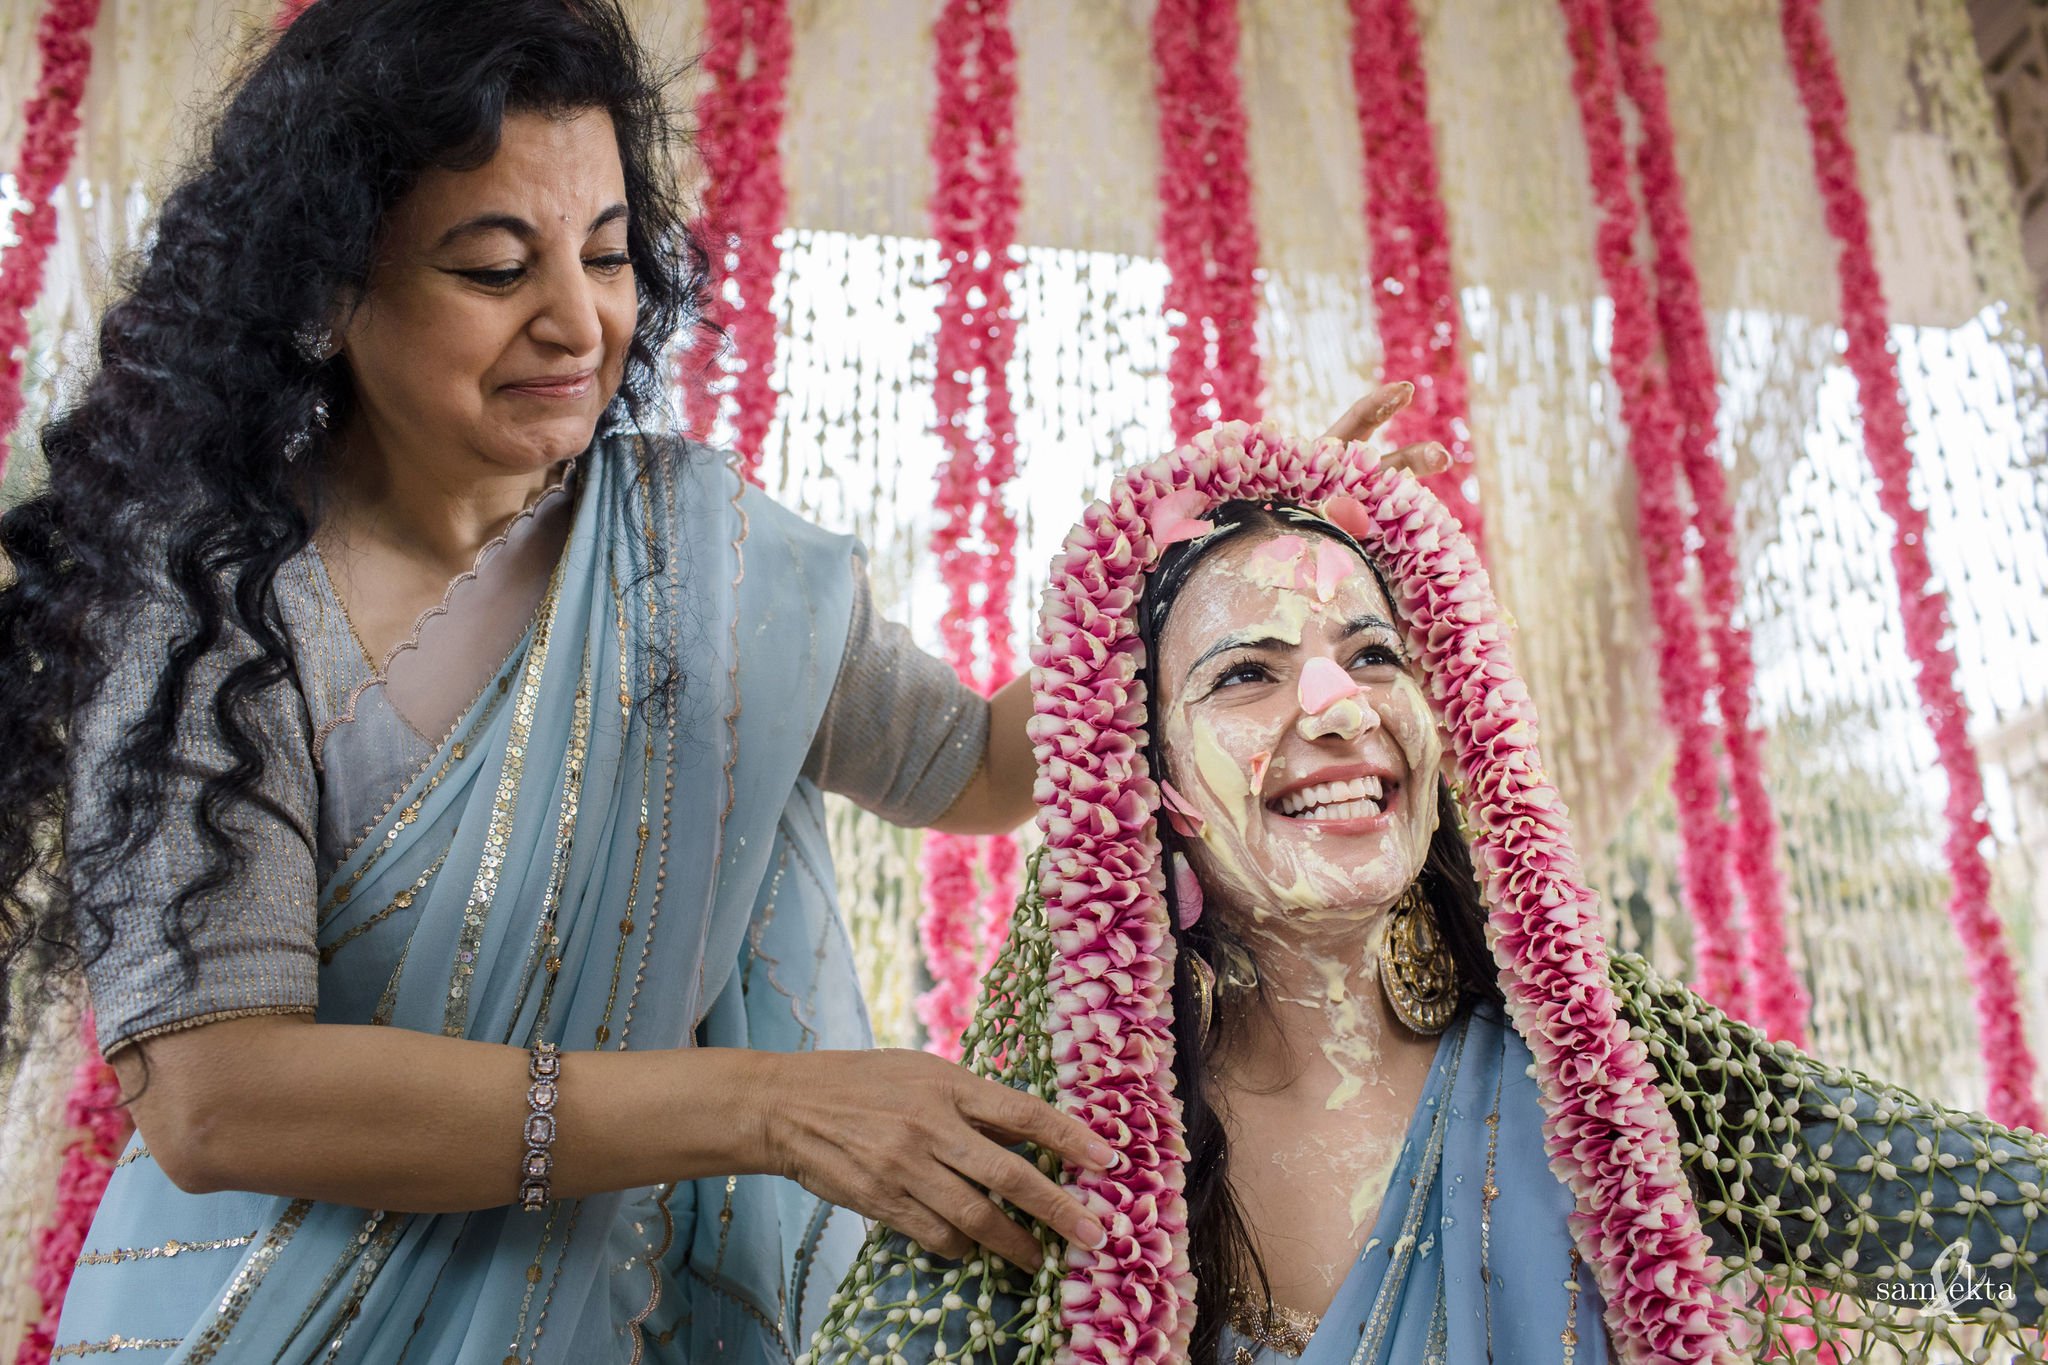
(1285, 584)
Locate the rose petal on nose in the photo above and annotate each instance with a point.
(1333, 565)
(1323, 685)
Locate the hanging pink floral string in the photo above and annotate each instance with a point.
(1608, 1135)
(1207, 237)
(1413, 294)
(1923, 606)
(739, 135)
(1778, 999)
(974, 208)
(93, 1111)
(49, 137)
(1660, 517)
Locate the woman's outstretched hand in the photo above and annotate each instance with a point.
(1374, 411)
(921, 1144)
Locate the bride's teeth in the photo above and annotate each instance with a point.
(1368, 789)
(1342, 810)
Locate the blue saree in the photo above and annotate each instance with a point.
(575, 866)
(1451, 1272)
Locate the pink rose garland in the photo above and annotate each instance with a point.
(1608, 1134)
(49, 137)
(739, 134)
(1207, 236)
(1923, 607)
(94, 1112)
(1660, 519)
(974, 208)
(1413, 294)
(1777, 998)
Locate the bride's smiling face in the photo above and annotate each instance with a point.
(1297, 738)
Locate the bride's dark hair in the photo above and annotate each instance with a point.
(170, 474)
(1220, 1246)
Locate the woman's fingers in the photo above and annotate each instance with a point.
(1423, 460)
(1018, 1117)
(929, 1229)
(1003, 1172)
(978, 1219)
(919, 1143)
(1014, 1116)
(1371, 412)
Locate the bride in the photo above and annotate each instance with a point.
(1366, 1173)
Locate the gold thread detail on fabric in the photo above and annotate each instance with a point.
(504, 806)
(1269, 1327)
(546, 939)
(132, 1155)
(611, 999)
(235, 1299)
(732, 715)
(1488, 1192)
(636, 1324)
(163, 1251)
(481, 713)
(366, 1274)
(402, 901)
(351, 1250)
(547, 1300)
(533, 1276)
(387, 999)
(117, 1342)
(1373, 1337)
(668, 766)
(747, 1305)
(180, 1025)
(1569, 1337)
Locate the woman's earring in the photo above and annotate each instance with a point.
(315, 343)
(1205, 995)
(1417, 972)
(303, 437)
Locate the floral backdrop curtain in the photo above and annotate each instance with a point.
(1410, 179)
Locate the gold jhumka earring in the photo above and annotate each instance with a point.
(1239, 973)
(1417, 972)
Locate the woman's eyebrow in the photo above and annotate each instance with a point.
(1368, 621)
(518, 227)
(1243, 639)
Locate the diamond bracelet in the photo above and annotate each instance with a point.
(545, 1069)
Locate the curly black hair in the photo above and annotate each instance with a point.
(169, 475)
(1220, 1247)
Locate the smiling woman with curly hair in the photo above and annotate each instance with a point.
(436, 748)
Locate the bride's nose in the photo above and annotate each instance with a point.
(1331, 705)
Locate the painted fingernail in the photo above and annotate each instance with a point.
(1093, 1235)
(1101, 1153)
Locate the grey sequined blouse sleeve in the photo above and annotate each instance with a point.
(902, 736)
(252, 935)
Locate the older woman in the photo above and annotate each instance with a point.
(1367, 1177)
(438, 747)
